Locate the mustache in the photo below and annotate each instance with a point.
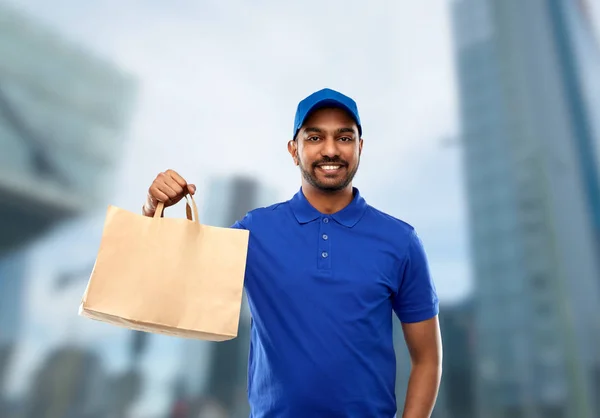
(326, 160)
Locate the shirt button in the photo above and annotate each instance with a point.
(325, 236)
(324, 254)
(325, 220)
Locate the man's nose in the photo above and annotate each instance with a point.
(330, 148)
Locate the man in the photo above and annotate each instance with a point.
(325, 271)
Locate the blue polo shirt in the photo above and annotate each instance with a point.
(322, 290)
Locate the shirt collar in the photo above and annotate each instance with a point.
(349, 216)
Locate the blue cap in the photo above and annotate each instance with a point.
(325, 98)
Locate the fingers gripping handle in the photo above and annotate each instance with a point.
(189, 207)
(189, 198)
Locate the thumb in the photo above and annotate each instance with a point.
(191, 188)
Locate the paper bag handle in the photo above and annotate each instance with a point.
(188, 210)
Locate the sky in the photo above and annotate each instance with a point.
(217, 84)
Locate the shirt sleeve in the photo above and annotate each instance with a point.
(416, 298)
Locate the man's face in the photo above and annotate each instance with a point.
(327, 149)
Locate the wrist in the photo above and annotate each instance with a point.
(147, 211)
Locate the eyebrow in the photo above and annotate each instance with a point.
(345, 130)
(313, 129)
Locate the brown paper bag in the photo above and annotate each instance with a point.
(168, 276)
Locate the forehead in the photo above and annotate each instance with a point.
(330, 116)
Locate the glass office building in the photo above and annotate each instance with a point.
(63, 113)
(531, 176)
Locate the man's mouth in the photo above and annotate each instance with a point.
(330, 167)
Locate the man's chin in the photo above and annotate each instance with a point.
(326, 183)
(331, 187)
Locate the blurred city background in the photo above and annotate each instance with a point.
(482, 129)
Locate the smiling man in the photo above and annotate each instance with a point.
(325, 272)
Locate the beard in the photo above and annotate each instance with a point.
(333, 185)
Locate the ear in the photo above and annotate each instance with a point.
(293, 150)
(360, 145)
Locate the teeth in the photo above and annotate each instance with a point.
(330, 167)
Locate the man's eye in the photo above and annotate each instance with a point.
(345, 138)
(313, 138)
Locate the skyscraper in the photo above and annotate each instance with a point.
(532, 182)
(456, 392)
(63, 113)
(62, 116)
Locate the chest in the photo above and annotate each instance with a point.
(323, 261)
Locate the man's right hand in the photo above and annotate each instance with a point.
(168, 187)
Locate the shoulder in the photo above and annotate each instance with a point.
(260, 215)
(390, 225)
(400, 234)
(268, 212)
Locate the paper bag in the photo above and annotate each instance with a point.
(168, 276)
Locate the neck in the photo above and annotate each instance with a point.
(327, 202)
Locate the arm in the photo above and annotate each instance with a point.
(416, 305)
(424, 343)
